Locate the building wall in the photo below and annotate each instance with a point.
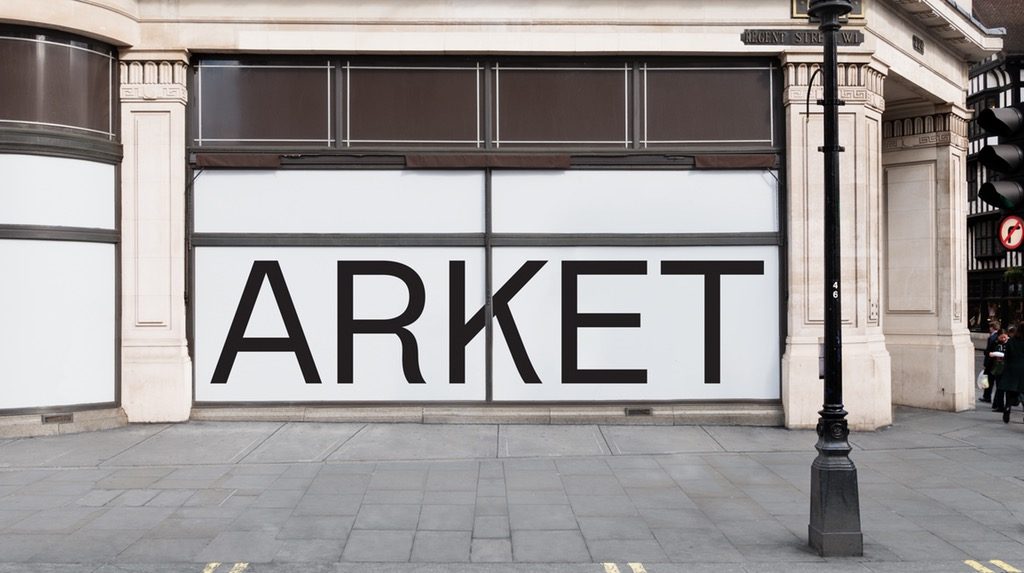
(158, 40)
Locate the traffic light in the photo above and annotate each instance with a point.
(1005, 159)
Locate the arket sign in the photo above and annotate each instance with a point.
(402, 325)
(382, 286)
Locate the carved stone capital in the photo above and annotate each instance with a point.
(931, 130)
(859, 84)
(153, 81)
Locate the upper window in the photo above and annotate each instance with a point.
(54, 81)
(547, 105)
(264, 104)
(512, 103)
(703, 105)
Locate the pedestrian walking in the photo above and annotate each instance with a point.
(994, 327)
(1012, 380)
(998, 354)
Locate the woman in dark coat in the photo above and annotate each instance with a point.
(1012, 380)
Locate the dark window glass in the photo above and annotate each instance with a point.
(984, 239)
(55, 82)
(972, 180)
(708, 105)
(264, 104)
(545, 106)
(407, 105)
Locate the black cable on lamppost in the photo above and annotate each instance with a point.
(834, 527)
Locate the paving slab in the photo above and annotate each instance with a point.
(659, 439)
(491, 551)
(441, 547)
(419, 442)
(901, 439)
(196, 443)
(379, 546)
(549, 547)
(757, 439)
(537, 441)
(302, 442)
(309, 551)
(85, 449)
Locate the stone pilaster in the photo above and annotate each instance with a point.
(156, 379)
(866, 368)
(923, 157)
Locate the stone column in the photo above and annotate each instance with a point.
(923, 156)
(866, 376)
(156, 372)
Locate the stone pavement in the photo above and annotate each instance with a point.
(938, 491)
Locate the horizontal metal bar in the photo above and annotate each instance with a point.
(54, 233)
(58, 44)
(108, 134)
(34, 140)
(477, 240)
(337, 240)
(29, 410)
(635, 239)
(478, 403)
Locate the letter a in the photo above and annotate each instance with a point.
(237, 342)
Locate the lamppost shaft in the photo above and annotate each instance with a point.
(834, 528)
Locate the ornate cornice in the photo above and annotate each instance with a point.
(859, 83)
(931, 130)
(153, 81)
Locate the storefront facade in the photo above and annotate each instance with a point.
(560, 213)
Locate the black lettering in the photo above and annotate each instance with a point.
(572, 320)
(461, 333)
(712, 271)
(348, 325)
(236, 340)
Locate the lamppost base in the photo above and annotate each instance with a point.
(836, 544)
(834, 529)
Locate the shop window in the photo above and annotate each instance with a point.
(556, 105)
(264, 104)
(413, 105)
(52, 81)
(709, 105)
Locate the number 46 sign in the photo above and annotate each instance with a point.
(1011, 232)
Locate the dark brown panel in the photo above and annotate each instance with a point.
(50, 83)
(478, 160)
(239, 160)
(766, 161)
(558, 105)
(413, 105)
(262, 104)
(709, 105)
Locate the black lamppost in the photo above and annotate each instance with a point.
(834, 528)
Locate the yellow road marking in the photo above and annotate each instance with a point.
(1004, 566)
(611, 568)
(978, 566)
(211, 567)
(239, 567)
(637, 567)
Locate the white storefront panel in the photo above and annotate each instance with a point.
(370, 201)
(385, 285)
(56, 191)
(675, 314)
(57, 310)
(635, 202)
(622, 323)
